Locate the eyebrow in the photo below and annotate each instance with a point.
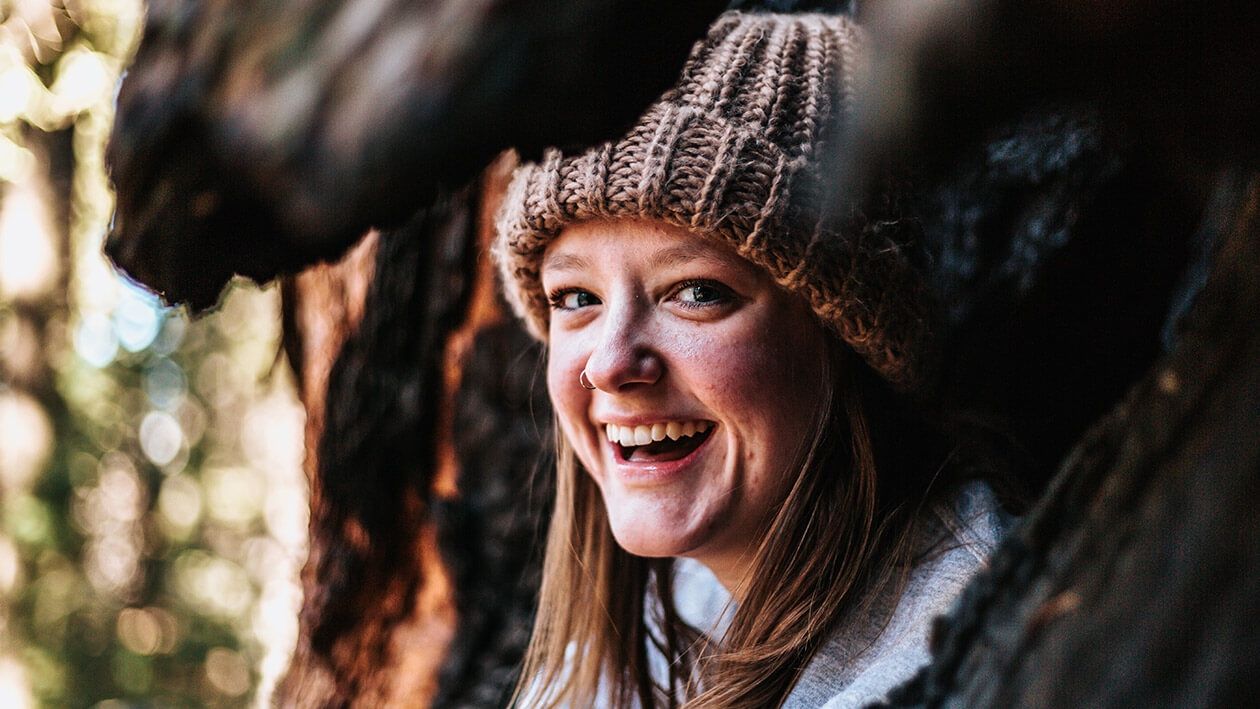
(682, 254)
(564, 262)
(665, 258)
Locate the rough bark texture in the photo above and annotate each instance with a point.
(260, 137)
(373, 556)
(457, 420)
(1135, 580)
(1058, 252)
(1178, 74)
(491, 530)
(324, 305)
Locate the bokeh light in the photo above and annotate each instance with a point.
(137, 317)
(14, 691)
(227, 671)
(28, 258)
(26, 440)
(160, 437)
(165, 383)
(152, 505)
(95, 341)
(10, 566)
(179, 505)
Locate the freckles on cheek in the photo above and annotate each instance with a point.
(567, 397)
(554, 387)
(731, 368)
(754, 371)
(564, 363)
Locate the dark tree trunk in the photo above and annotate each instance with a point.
(259, 138)
(421, 582)
(1136, 579)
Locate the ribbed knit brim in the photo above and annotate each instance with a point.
(732, 153)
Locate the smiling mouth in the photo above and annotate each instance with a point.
(659, 442)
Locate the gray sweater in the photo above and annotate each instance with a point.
(862, 662)
(865, 658)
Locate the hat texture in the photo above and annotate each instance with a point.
(735, 153)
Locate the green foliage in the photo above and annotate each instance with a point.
(137, 539)
(151, 500)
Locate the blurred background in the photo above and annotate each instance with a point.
(152, 505)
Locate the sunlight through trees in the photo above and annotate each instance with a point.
(152, 503)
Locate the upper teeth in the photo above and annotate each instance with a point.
(643, 435)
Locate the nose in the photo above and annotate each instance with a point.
(625, 353)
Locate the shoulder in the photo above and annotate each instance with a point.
(865, 658)
(981, 523)
(964, 534)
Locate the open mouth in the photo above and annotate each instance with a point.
(658, 442)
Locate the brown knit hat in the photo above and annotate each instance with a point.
(733, 152)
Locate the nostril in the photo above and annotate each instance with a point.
(622, 360)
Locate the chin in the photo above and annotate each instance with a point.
(649, 536)
(653, 549)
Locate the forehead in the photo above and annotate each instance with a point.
(596, 244)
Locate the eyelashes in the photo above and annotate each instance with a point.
(702, 292)
(571, 298)
(696, 293)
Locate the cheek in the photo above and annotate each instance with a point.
(569, 400)
(795, 363)
(562, 381)
(724, 364)
(764, 367)
(769, 382)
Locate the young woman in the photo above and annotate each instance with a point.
(746, 515)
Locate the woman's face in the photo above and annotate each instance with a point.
(707, 380)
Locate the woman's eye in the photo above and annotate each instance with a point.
(573, 299)
(703, 293)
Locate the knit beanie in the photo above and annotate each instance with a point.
(735, 152)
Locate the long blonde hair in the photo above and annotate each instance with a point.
(846, 528)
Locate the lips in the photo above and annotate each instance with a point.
(659, 442)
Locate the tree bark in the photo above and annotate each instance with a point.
(260, 138)
(1134, 580)
(446, 615)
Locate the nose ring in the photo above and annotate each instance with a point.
(585, 381)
